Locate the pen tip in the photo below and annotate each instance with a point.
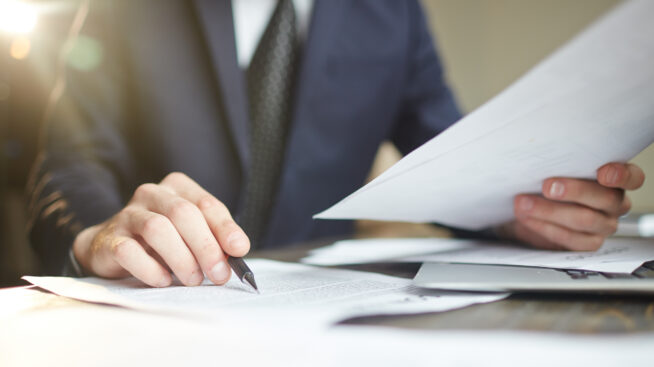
(249, 278)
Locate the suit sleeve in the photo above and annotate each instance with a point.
(84, 158)
(428, 106)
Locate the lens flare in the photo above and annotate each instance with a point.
(85, 53)
(20, 48)
(17, 17)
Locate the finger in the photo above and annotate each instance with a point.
(584, 192)
(566, 238)
(162, 237)
(191, 225)
(229, 234)
(154, 254)
(231, 237)
(571, 216)
(132, 257)
(621, 175)
(526, 235)
(625, 207)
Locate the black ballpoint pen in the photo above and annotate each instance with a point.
(242, 271)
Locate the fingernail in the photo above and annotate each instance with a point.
(556, 190)
(220, 272)
(237, 240)
(612, 175)
(526, 204)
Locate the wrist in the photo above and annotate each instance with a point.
(82, 248)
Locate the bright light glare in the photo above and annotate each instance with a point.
(20, 48)
(17, 17)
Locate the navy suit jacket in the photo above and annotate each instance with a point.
(165, 93)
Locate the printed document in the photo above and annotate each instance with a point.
(288, 292)
(617, 255)
(589, 103)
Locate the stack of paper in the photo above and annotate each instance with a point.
(615, 256)
(315, 297)
(380, 250)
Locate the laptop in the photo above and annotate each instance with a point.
(517, 279)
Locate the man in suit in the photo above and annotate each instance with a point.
(267, 113)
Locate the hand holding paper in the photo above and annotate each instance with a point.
(575, 214)
(588, 104)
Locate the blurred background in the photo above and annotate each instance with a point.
(31, 35)
(485, 46)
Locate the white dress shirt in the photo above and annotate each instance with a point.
(251, 18)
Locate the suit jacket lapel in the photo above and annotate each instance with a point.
(215, 19)
(317, 48)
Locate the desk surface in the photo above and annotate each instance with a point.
(559, 313)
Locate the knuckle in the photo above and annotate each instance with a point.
(127, 212)
(153, 225)
(144, 190)
(120, 249)
(228, 225)
(175, 178)
(223, 225)
(209, 201)
(181, 209)
(225, 228)
(208, 246)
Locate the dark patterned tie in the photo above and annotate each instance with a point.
(270, 81)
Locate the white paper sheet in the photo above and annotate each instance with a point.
(109, 336)
(320, 295)
(617, 255)
(590, 103)
(380, 250)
